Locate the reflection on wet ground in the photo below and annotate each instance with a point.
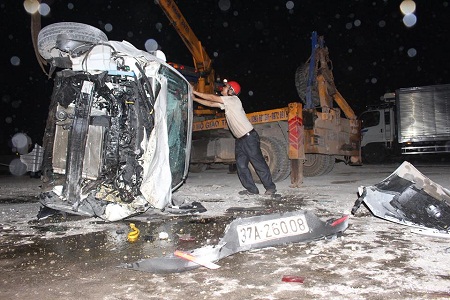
(19, 199)
(343, 181)
(110, 244)
(183, 233)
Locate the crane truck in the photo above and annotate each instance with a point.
(301, 139)
(409, 121)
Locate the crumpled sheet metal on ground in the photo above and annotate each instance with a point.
(229, 244)
(408, 197)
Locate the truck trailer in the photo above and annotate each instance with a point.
(410, 121)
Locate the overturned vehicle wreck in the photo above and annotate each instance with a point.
(118, 134)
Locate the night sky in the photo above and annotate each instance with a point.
(258, 43)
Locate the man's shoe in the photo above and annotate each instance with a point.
(247, 192)
(270, 192)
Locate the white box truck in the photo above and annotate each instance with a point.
(410, 121)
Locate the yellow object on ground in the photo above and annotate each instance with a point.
(133, 235)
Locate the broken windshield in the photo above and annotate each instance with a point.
(177, 122)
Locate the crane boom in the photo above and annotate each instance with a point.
(202, 62)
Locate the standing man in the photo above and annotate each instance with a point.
(247, 144)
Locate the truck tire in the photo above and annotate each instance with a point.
(373, 153)
(275, 154)
(301, 83)
(318, 164)
(77, 31)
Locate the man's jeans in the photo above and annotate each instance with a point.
(247, 149)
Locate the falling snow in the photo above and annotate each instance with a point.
(259, 43)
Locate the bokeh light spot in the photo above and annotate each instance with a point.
(151, 45)
(15, 61)
(289, 5)
(31, 6)
(17, 168)
(108, 27)
(44, 9)
(21, 142)
(224, 5)
(407, 7)
(412, 52)
(410, 20)
(16, 103)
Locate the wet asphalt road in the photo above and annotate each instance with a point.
(72, 257)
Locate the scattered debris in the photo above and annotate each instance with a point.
(46, 212)
(163, 235)
(292, 278)
(409, 198)
(250, 233)
(431, 232)
(186, 237)
(197, 260)
(133, 235)
(186, 208)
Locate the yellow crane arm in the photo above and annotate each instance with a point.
(201, 59)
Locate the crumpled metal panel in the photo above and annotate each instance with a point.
(409, 198)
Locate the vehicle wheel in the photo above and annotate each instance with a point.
(318, 164)
(373, 153)
(275, 154)
(197, 168)
(301, 83)
(75, 31)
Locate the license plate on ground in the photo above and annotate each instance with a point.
(271, 230)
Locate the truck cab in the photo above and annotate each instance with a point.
(378, 130)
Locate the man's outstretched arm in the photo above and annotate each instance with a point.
(209, 97)
(206, 102)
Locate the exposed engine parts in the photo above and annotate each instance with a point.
(114, 117)
(118, 133)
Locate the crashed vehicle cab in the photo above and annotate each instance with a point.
(118, 134)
